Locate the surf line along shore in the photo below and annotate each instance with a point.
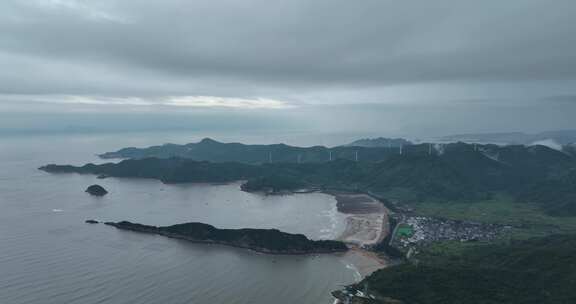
(366, 226)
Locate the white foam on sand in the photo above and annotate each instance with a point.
(357, 274)
(331, 232)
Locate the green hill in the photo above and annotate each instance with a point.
(214, 151)
(534, 271)
(423, 173)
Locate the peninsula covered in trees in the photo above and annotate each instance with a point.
(271, 241)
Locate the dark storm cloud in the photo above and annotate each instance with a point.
(374, 42)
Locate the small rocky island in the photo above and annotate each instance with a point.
(270, 241)
(96, 190)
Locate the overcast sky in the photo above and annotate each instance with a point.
(372, 66)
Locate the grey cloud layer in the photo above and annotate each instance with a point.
(374, 42)
(407, 65)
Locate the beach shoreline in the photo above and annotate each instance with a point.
(367, 225)
(366, 219)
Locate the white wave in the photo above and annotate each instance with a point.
(357, 274)
(332, 214)
(57, 210)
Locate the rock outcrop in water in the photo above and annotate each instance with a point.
(271, 241)
(96, 190)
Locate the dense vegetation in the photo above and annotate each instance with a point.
(533, 271)
(450, 173)
(261, 240)
(557, 194)
(167, 170)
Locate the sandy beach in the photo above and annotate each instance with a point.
(364, 262)
(366, 221)
(366, 225)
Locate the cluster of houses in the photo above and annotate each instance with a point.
(426, 230)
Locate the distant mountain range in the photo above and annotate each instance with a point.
(381, 142)
(448, 172)
(561, 137)
(214, 151)
(377, 149)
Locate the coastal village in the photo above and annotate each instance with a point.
(420, 231)
(371, 224)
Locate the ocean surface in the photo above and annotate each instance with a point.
(49, 255)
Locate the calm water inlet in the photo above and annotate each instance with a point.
(48, 255)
